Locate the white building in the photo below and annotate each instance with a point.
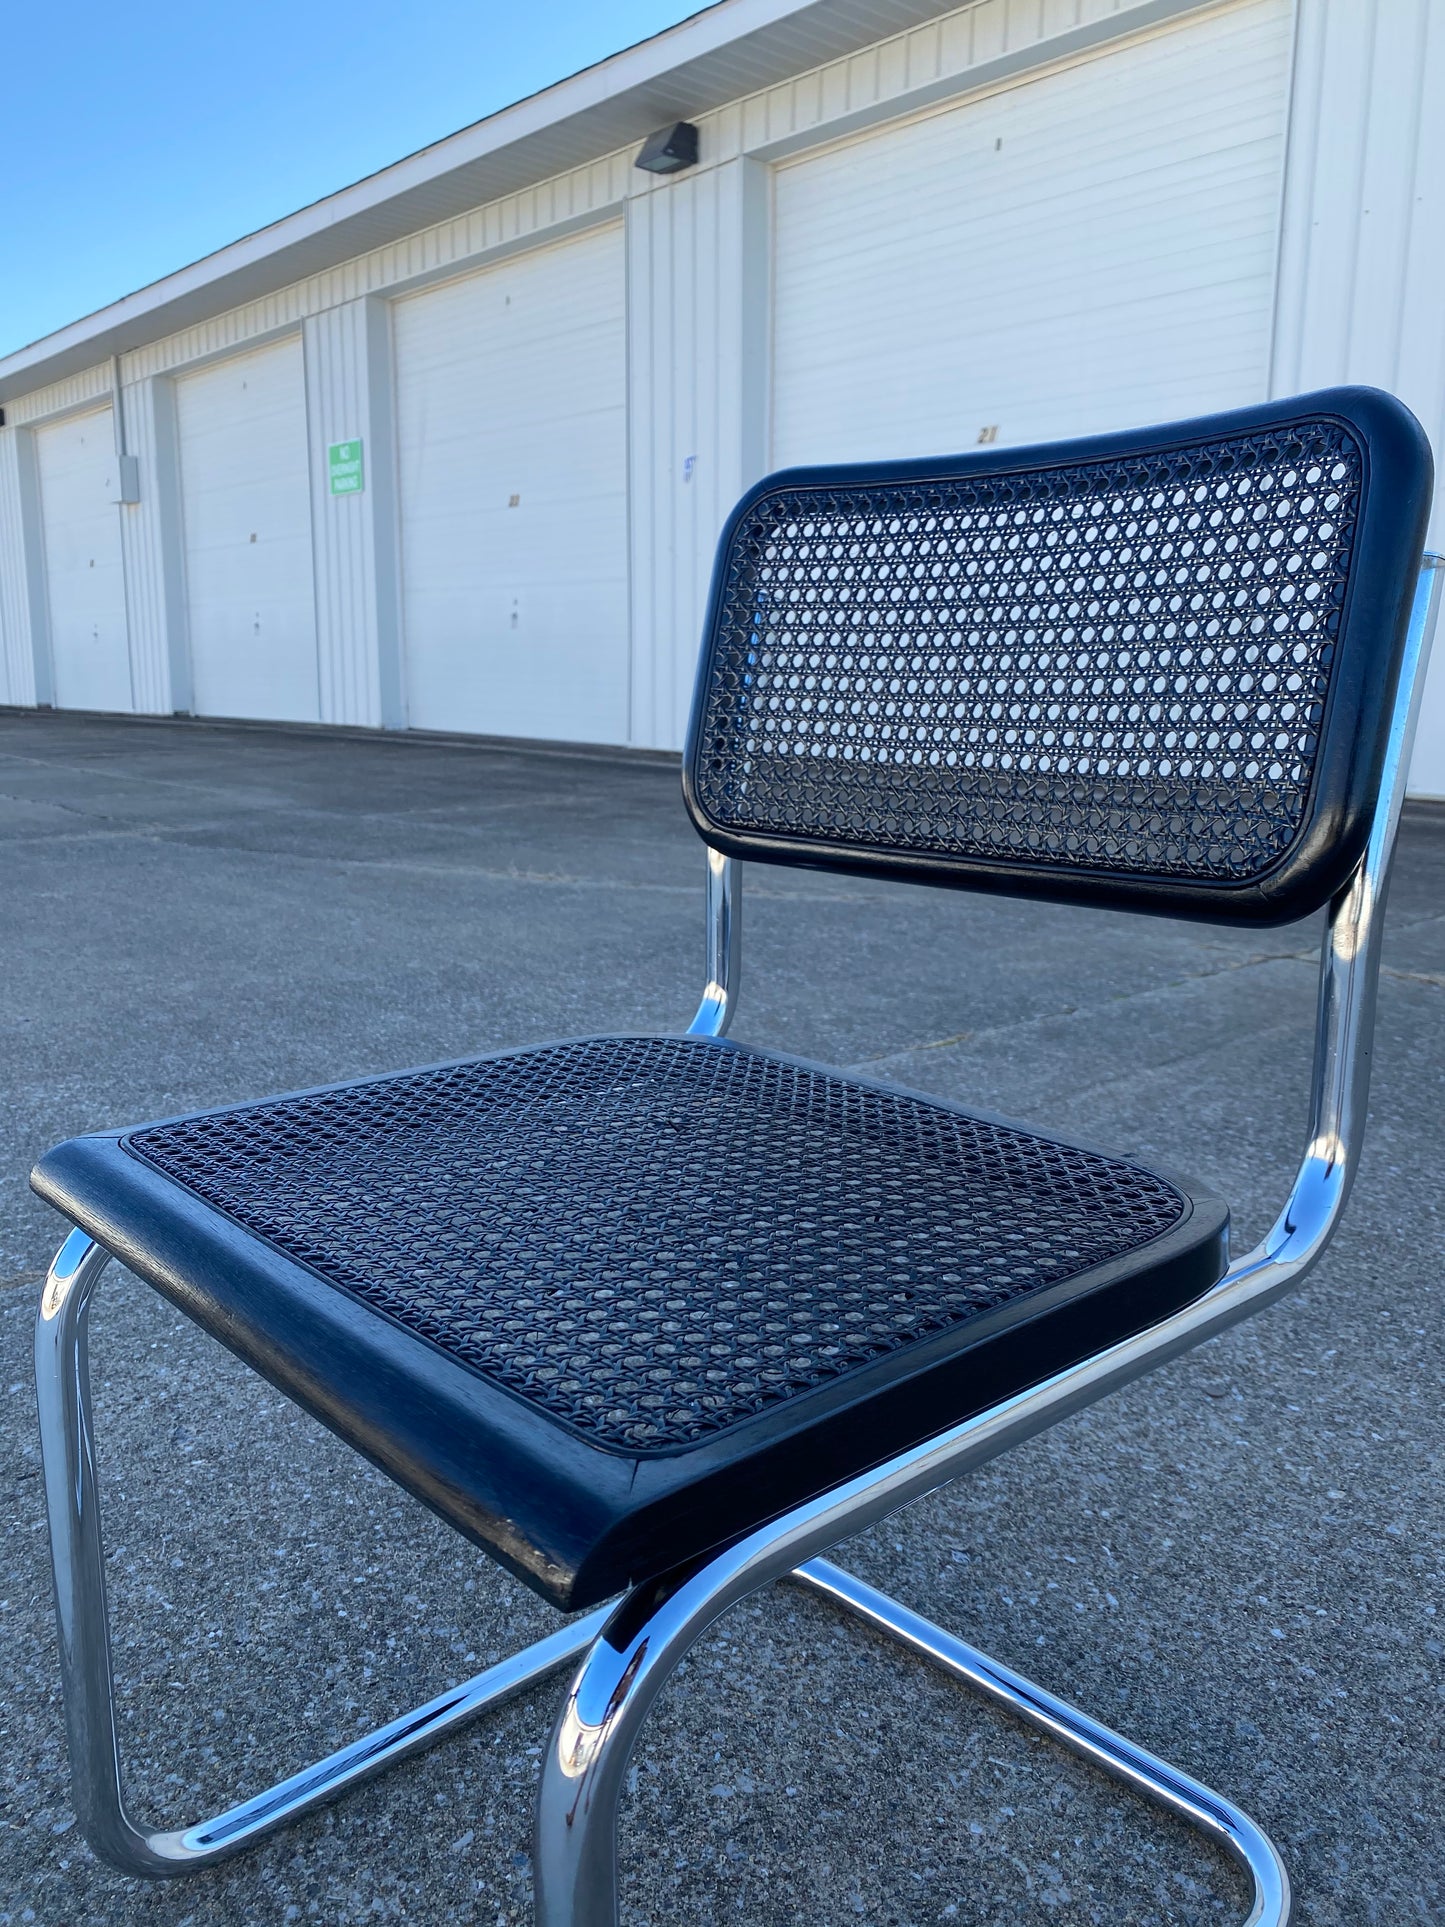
(908, 231)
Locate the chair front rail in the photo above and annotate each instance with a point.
(62, 1375)
(1345, 1013)
(653, 1628)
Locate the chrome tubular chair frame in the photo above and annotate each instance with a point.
(632, 1648)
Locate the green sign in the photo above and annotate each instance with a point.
(343, 465)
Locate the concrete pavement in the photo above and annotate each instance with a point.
(1238, 1562)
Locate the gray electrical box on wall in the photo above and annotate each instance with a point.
(128, 489)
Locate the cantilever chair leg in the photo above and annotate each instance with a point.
(72, 1498)
(1144, 1773)
(654, 1627)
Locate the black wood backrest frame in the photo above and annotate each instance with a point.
(1153, 670)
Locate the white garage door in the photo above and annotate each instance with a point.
(84, 581)
(1090, 250)
(246, 503)
(511, 404)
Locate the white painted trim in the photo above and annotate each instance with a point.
(314, 465)
(631, 492)
(19, 679)
(1289, 169)
(755, 401)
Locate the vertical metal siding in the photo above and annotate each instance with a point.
(665, 352)
(673, 349)
(696, 315)
(338, 406)
(1362, 269)
(142, 540)
(88, 385)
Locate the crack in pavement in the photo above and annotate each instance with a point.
(249, 799)
(1224, 969)
(163, 836)
(1434, 978)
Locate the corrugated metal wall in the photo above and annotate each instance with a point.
(697, 298)
(147, 532)
(348, 398)
(1359, 297)
(1362, 266)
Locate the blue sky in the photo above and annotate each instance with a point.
(135, 139)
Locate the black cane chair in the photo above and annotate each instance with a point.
(659, 1319)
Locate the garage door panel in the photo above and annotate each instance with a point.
(1088, 250)
(538, 686)
(84, 573)
(246, 503)
(511, 432)
(438, 569)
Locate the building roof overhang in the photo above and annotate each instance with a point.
(724, 53)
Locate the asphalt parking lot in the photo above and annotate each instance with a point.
(1238, 1561)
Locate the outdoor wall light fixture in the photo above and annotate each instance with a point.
(669, 150)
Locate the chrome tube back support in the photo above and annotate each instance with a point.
(724, 947)
(1345, 1016)
(656, 1625)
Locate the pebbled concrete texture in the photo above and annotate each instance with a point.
(1237, 1561)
